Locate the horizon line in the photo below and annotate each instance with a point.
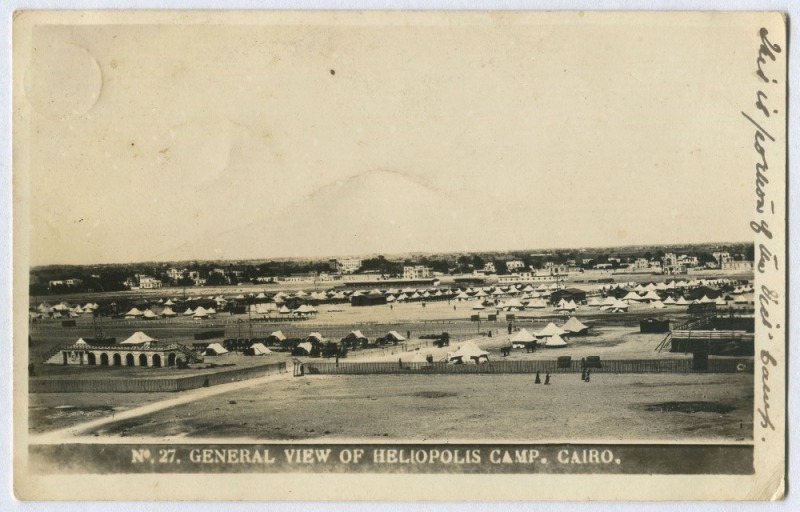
(389, 255)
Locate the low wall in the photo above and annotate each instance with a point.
(732, 365)
(167, 384)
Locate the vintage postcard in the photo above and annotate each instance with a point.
(284, 255)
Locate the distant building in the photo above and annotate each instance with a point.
(298, 278)
(174, 274)
(489, 268)
(670, 264)
(722, 257)
(348, 266)
(417, 272)
(149, 283)
(72, 283)
(737, 265)
(515, 265)
(641, 263)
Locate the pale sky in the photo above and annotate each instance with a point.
(174, 142)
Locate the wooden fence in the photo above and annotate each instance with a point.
(162, 385)
(727, 365)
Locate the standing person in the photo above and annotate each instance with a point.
(583, 374)
(408, 335)
(509, 328)
(588, 376)
(538, 378)
(547, 379)
(400, 362)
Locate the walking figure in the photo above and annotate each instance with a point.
(547, 379)
(538, 378)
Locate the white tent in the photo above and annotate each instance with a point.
(550, 330)
(319, 337)
(169, 303)
(595, 303)
(215, 349)
(657, 305)
(468, 353)
(537, 304)
(200, 312)
(513, 303)
(706, 300)
(574, 326)
(682, 302)
(168, 312)
(307, 346)
(80, 342)
(522, 337)
(609, 301)
(669, 301)
(133, 313)
(397, 336)
(651, 296)
(631, 297)
(138, 338)
(555, 341)
(721, 301)
(257, 349)
(478, 305)
(149, 315)
(188, 312)
(284, 310)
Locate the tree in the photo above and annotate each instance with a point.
(216, 279)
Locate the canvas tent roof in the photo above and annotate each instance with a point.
(468, 352)
(550, 329)
(149, 314)
(523, 336)
(682, 302)
(574, 325)
(134, 312)
(555, 342)
(397, 336)
(632, 296)
(651, 295)
(258, 349)
(215, 349)
(138, 338)
(168, 312)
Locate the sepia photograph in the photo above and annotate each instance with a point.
(545, 250)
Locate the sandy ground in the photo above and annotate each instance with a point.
(455, 408)
(404, 407)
